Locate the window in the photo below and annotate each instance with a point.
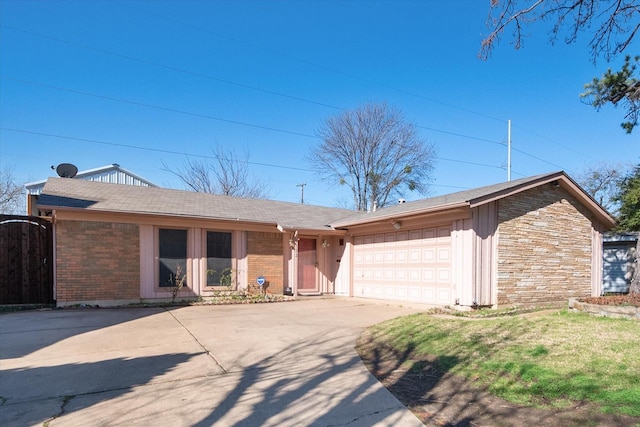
(219, 259)
(172, 256)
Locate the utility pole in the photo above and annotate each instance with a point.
(301, 185)
(509, 151)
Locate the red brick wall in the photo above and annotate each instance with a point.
(97, 261)
(544, 248)
(265, 258)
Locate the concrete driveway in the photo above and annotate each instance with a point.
(280, 364)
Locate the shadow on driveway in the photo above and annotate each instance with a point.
(23, 333)
(54, 387)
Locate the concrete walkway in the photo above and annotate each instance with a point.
(280, 364)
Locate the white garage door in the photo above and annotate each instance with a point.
(413, 265)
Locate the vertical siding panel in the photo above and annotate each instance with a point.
(195, 254)
(485, 221)
(239, 248)
(344, 273)
(462, 244)
(147, 264)
(596, 262)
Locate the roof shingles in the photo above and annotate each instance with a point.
(98, 196)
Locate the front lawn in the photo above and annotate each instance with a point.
(553, 360)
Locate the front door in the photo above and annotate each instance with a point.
(307, 266)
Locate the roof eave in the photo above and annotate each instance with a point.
(276, 226)
(398, 215)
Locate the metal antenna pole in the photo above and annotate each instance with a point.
(509, 151)
(301, 185)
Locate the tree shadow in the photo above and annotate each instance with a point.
(24, 391)
(438, 397)
(298, 386)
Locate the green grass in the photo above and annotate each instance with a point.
(549, 360)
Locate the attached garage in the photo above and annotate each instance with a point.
(533, 241)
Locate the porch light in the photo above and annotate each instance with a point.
(396, 225)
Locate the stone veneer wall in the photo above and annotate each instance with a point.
(97, 261)
(544, 248)
(265, 258)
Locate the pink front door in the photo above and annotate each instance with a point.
(307, 266)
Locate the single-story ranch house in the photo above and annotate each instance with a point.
(532, 241)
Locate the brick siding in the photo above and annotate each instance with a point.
(97, 261)
(544, 248)
(264, 258)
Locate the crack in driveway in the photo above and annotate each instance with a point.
(206, 350)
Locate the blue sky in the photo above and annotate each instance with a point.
(146, 82)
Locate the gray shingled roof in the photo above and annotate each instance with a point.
(466, 197)
(98, 196)
(71, 193)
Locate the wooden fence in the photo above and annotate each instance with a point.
(26, 260)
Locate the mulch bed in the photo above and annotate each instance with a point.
(629, 299)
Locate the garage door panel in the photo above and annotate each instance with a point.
(414, 293)
(378, 291)
(428, 295)
(444, 275)
(428, 255)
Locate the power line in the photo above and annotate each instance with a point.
(173, 110)
(210, 77)
(541, 160)
(356, 77)
(157, 107)
(469, 163)
(554, 142)
(169, 67)
(137, 147)
(270, 92)
(203, 156)
(320, 66)
(460, 135)
(155, 64)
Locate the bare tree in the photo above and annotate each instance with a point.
(612, 25)
(602, 182)
(227, 175)
(11, 193)
(374, 151)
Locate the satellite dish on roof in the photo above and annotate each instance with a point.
(66, 170)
